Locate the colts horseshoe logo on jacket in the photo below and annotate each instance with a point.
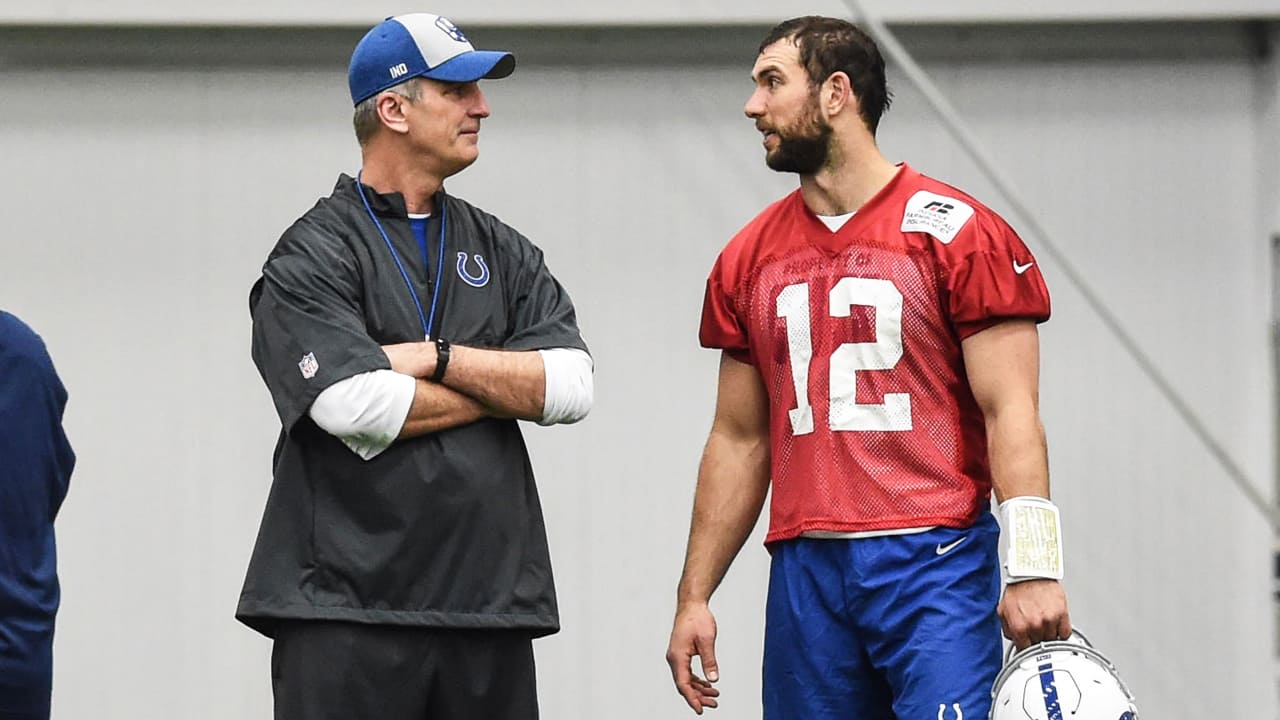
(479, 280)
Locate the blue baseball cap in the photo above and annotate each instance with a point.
(419, 45)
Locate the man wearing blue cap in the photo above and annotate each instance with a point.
(402, 565)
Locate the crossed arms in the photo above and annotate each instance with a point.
(368, 411)
(477, 384)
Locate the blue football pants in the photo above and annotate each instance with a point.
(896, 626)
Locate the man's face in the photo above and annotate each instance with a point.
(444, 124)
(785, 107)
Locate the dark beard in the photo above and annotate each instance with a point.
(804, 150)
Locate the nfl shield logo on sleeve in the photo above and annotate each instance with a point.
(308, 365)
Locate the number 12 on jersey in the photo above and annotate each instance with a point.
(845, 412)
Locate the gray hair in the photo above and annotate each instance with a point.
(365, 119)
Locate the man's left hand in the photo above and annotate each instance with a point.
(1034, 611)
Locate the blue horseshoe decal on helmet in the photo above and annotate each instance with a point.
(468, 278)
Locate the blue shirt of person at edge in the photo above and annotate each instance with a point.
(35, 468)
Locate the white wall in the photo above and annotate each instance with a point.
(139, 204)
(592, 12)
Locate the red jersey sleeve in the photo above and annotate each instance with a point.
(722, 326)
(995, 278)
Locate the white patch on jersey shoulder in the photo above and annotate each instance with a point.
(938, 215)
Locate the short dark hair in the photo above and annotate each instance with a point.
(830, 45)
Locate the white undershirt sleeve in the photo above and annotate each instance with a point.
(366, 411)
(570, 385)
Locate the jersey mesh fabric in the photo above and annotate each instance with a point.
(892, 438)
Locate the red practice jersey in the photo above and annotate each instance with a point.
(856, 335)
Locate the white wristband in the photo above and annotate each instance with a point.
(1031, 538)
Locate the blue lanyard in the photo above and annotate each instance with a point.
(428, 322)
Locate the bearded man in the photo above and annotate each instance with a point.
(879, 372)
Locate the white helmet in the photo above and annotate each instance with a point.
(1060, 680)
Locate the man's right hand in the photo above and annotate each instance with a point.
(694, 633)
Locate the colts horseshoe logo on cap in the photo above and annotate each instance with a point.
(450, 29)
(473, 280)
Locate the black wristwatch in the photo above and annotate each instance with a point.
(442, 360)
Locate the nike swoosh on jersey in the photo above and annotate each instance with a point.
(1019, 269)
(944, 549)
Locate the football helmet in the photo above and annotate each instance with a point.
(1060, 680)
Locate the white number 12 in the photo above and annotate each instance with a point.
(846, 413)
